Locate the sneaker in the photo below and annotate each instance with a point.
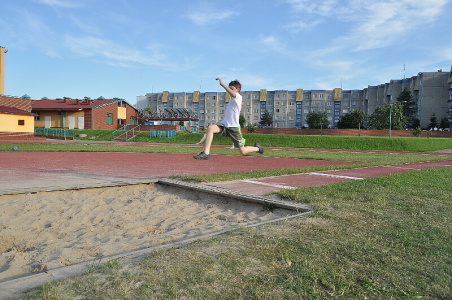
(261, 149)
(202, 155)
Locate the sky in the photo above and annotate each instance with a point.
(127, 48)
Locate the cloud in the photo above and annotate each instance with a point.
(318, 7)
(374, 24)
(386, 22)
(119, 55)
(302, 25)
(208, 15)
(35, 32)
(59, 3)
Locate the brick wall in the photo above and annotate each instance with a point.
(160, 127)
(99, 116)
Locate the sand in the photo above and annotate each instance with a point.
(46, 230)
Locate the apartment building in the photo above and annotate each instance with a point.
(449, 101)
(430, 91)
(289, 108)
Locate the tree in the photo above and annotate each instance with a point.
(444, 123)
(266, 119)
(242, 121)
(409, 106)
(433, 121)
(354, 119)
(380, 118)
(317, 120)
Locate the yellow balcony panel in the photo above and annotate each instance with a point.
(299, 96)
(263, 95)
(165, 96)
(196, 97)
(337, 96)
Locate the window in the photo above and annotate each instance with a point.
(121, 121)
(21, 122)
(109, 120)
(121, 104)
(38, 117)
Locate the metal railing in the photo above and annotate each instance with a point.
(130, 133)
(118, 132)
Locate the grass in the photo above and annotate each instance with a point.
(415, 144)
(379, 238)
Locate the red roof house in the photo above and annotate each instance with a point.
(100, 113)
(16, 118)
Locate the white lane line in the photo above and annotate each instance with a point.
(335, 176)
(269, 184)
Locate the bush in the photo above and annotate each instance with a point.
(251, 128)
(417, 132)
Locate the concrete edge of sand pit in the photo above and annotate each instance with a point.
(298, 207)
(16, 287)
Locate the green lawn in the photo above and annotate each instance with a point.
(379, 238)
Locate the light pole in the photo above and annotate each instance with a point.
(390, 118)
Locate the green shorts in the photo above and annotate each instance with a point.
(234, 133)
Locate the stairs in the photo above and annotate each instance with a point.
(126, 136)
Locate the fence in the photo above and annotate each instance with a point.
(55, 132)
(162, 133)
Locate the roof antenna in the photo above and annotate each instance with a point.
(403, 71)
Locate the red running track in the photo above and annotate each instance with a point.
(28, 171)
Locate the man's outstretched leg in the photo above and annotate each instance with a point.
(211, 130)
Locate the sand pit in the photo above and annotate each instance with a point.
(43, 231)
